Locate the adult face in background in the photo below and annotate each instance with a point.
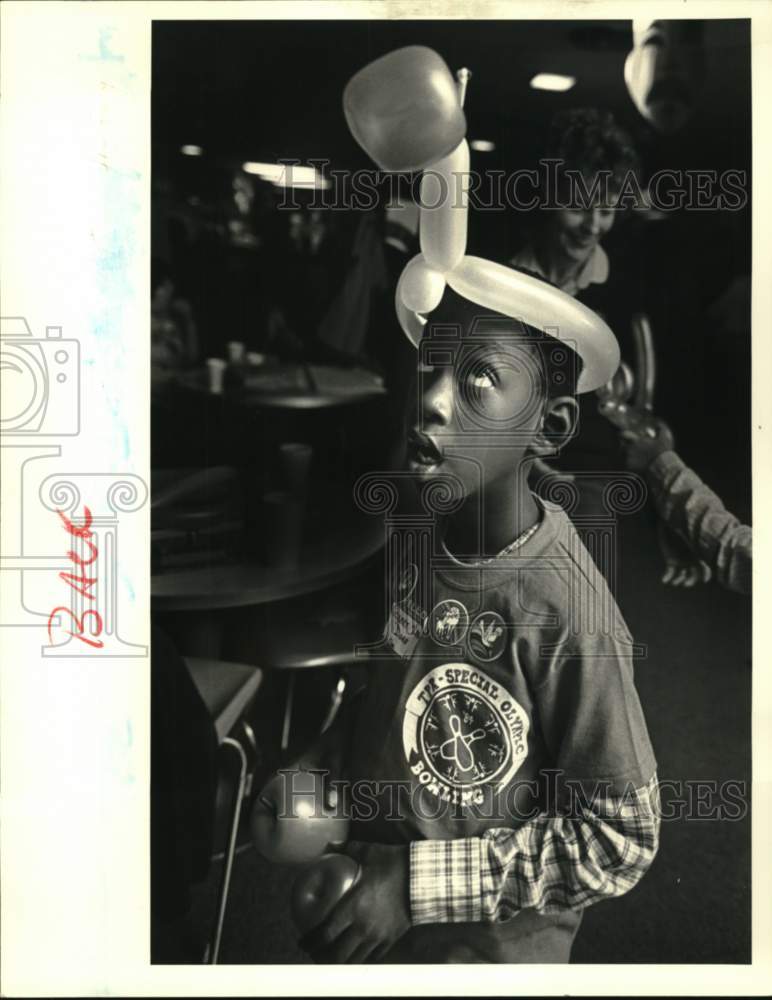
(594, 158)
(574, 233)
(664, 71)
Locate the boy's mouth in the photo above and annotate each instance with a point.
(422, 452)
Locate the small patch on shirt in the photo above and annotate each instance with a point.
(448, 622)
(487, 636)
(405, 627)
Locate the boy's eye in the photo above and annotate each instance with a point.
(482, 377)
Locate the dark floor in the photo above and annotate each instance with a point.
(695, 685)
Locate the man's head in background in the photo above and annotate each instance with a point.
(664, 71)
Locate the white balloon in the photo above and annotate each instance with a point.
(420, 286)
(509, 292)
(445, 208)
(412, 324)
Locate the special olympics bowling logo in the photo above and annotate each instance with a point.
(463, 730)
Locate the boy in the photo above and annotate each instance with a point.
(499, 758)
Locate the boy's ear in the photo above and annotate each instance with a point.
(559, 423)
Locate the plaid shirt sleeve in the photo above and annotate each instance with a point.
(551, 863)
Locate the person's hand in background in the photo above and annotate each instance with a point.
(373, 915)
(644, 440)
(682, 568)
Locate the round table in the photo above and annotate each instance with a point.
(292, 386)
(232, 585)
(334, 558)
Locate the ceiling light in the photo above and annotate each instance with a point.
(287, 174)
(319, 183)
(552, 81)
(191, 150)
(482, 145)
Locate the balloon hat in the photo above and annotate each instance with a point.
(406, 112)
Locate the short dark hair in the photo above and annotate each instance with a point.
(588, 141)
(561, 365)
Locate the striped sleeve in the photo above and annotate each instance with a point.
(551, 863)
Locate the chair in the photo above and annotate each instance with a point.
(228, 691)
(314, 632)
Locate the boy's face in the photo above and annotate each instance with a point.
(479, 402)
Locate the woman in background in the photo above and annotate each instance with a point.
(564, 244)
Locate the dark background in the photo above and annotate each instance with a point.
(247, 90)
(268, 90)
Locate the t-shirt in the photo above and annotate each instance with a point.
(498, 684)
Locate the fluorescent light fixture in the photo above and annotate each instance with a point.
(319, 183)
(281, 173)
(482, 145)
(288, 175)
(191, 150)
(553, 81)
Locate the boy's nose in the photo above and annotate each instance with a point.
(437, 400)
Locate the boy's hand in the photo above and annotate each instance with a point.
(373, 915)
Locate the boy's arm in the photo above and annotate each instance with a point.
(698, 515)
(550, 863)
(596, 842)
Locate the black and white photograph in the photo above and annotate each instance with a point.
(450, 350)
(384, 422)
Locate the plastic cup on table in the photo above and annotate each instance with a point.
(216, 370)
(296, 461)
(235, 352)
(282, 529)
